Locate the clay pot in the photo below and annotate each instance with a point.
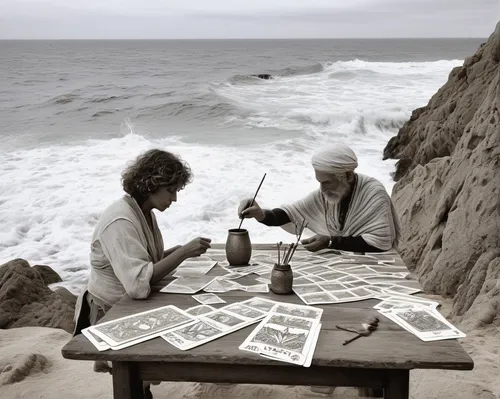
(238, 247)
(281, 279)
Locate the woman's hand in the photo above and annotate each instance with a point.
(316, 243)
(247, 211)
(195, 247)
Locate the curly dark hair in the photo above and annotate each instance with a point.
(153, 169)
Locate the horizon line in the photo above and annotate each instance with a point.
(249, 38)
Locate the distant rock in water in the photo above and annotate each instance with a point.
(263, 76)
(26, 300)
(448, 188)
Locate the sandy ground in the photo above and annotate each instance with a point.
(31, 367)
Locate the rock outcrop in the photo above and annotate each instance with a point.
(26, 300)
(448, 188)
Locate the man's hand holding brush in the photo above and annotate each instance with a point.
(247, 210)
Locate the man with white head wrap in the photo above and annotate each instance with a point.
(349, 211)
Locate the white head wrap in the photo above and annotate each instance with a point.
(337, 158)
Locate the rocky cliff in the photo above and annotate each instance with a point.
(448, 188)
(25, 299)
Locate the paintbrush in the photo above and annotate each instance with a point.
(251, 203)
(302, 228)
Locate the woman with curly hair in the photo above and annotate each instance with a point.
(127, 253)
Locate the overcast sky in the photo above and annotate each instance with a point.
(192, 19)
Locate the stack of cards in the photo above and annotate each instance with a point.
(131, 330)
(217, 323)
(289, 333)
(422, 320)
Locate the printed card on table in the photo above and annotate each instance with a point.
(193, 334)
(142, 325)
(194, 267)
(224, 320)
(208, 299)
(287, 338)
(200, 309)
(427, 324)
(187, 284)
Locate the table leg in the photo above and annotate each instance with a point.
(398, 385)
(127, 382)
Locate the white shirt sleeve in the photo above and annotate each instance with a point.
(125, 249)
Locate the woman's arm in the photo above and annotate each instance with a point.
(170, 250)
(167, 265)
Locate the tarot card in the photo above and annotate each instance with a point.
(215, 286)
(315, 278)
(262, 304)
(235, 275)
(359, 283)
(426, 324)
(141, 325)
(290, 309)
(286, 338)
(334, 275)
(229, 285)
(388, 269)
(188, 284)
(331, 286)
(377, 279)
(401, 289)
(317, 298)
(409, 299)
(200, 309)
(219, 256)
(307, 289)
(192, 335)
(208, 299)
(315, 270)
(245, 311)
(312, 348)
(301, 281)
(223, 320)
(390, 304)
(362, 292)
(263, 280)
(344, 296)
(347, 278)
(356, 269)
(194, 267)
(257, 288)
(95, 340)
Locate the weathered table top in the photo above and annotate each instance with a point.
(390, 347)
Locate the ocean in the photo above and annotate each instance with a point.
(73, 113)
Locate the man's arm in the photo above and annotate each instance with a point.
(275, 217)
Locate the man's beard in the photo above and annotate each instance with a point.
(332, 197)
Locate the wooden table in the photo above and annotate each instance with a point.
(383, 360)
